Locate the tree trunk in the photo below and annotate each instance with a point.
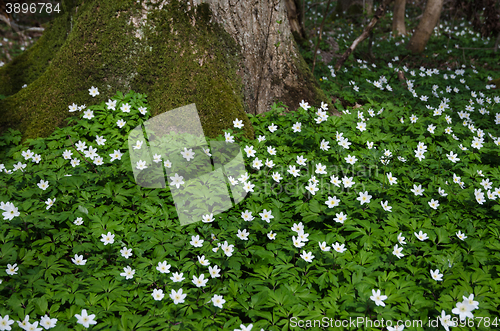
(369, 7)
(226, 57)
(296, 18)
(425, 27)
(398, 19)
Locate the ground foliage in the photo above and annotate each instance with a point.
(357, 183)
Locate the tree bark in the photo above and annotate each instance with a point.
(426, 26)
(369, 7)
(295, 17)
(366, 32)
(228, 57)
(398, 19)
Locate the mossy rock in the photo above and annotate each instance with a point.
(173, 61)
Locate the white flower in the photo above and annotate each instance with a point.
(417, 190)
(351, 159)
(177, 277)
(138, 144)
(392, 180)
(188, 154)
(116, 155)
(229, 138)
(245, 328)
(324, 145)
(378, 298)
(436, 275)
(238, 123)
(386, 206)
(78, 260)
(45, 321)
(125, 108)
(247, 216)
(257, 164)
(266, 215)
(200, 281)
(271, 235)
(297, 227)
(163, 267)
(93, 91)
(361, 126)
(128, 273)
(433, 204)
(364, 197)
(208, 218)
(203, 261)
(446, 321)
(421, 236)
(158, 294)
(324, 247)
(304, 105)
(340, 217)
(453, 157)
(84, 319)
(126, 252)
(397, 251)
(78, 221)
(12, 269)
(121, 123)
(272, 127)
(196, 241)
(143, 110)
(177, 180)
(178, 296)
(332, 202)
(214, 271)
(297, 127)
(111, 104)
(463, 309)
(27, 154)
(250, 151)
(339, 248)
(227, 249)
(73, 108)
(301, 160)
(297, 242)
(307, 256)
(88, 114)
(277, 177)
(271, 150)
(243, 235)
(108, 238)
(401, 239)
(248, 187)
(218, 301)
(461, 236)
(50, 203)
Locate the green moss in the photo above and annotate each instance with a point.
(203, 60)
(101, 50)
(30, 65)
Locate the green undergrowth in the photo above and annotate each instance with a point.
(332, 204)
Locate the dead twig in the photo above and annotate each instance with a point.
(366, 32)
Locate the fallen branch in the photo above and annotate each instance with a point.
(366, 32)
(17, 27)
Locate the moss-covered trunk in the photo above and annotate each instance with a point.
(228, 59)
